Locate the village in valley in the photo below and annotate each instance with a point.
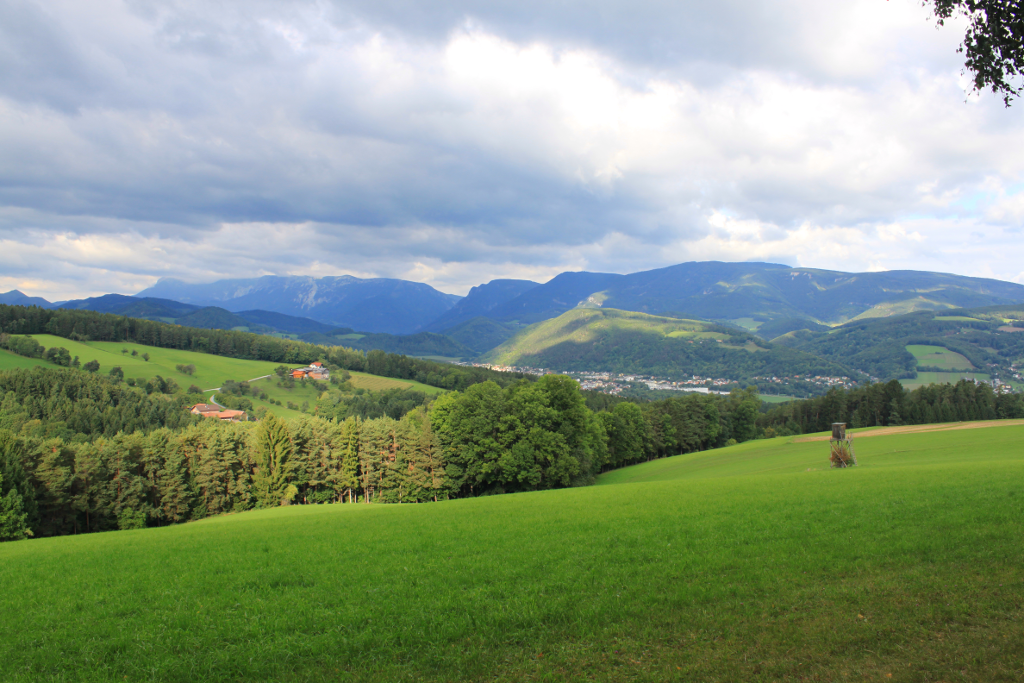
(616, 383)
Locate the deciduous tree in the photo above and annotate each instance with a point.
(993, 46)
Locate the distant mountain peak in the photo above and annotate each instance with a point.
(18, 298)
(371, 304)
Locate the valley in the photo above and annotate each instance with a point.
(854, 325)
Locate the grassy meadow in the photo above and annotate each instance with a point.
(753, 563)
(939, 357)
(955, 367)
(211, 371)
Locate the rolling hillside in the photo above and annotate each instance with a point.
(711, 566)
(209, 374)
(979, 342)
(481, 334)
(628, 342)
(419, 344)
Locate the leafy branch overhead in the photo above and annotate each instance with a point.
(993, 45)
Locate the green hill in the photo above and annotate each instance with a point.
(980, 342)
(481, 334)
(419, 344)
(213, 318)
(209, 374)
(754, 563)
(623, 341)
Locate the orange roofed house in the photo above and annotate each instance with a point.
(312, 371)
(210, 410)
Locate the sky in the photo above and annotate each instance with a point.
(454, 142)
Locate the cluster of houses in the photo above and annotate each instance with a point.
(312, 371)
(210, 410)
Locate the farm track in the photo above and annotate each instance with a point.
(917, 429)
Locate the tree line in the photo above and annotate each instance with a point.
(890, 404)
(79, 453)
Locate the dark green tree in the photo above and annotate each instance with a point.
(273, 452)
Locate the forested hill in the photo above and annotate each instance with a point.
(988, 337)
(89, 325)
(609, 340)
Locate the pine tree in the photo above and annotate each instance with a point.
(272, 457)
(173, 478)
(129, 493)
(12, 455)
(13, 518)
(346, 448)
(90, 490)
(53, 478)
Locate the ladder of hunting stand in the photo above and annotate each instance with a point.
(841, 446)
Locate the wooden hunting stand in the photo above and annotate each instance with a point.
(841, 446)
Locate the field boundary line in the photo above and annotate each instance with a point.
(918, 429)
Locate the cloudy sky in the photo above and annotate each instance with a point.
(455, 142)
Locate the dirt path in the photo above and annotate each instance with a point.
(914, 429)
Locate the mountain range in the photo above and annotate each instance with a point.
(375, 305)
(756, 293)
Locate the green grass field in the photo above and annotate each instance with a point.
(752, 563)
(956, 365)
(886, 310)
(939, 357)
(773, 398)
(923, 379)
(10, 361)
(210, 373)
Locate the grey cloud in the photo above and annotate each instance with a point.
(187, 124)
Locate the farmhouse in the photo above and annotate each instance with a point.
(210, 410)
(312, 371)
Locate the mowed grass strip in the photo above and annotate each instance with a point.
(907, 568)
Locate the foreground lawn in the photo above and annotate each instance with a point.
(908, 568)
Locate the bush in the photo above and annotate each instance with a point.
(91, 366)
(131, 519)
(58, 355)
(185, 369)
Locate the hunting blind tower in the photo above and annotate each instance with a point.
(841, 446)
